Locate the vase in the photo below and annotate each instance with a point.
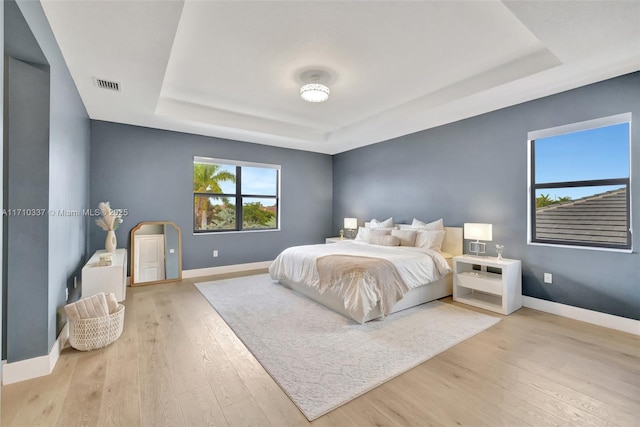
(110, 242)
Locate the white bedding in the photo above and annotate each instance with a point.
(416, 266)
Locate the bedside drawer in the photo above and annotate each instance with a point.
(481, 281)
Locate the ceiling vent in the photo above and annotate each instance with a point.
(106, 84)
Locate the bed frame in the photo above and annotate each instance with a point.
(441, 288)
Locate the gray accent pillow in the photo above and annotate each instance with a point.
(384, 240)
(407, 237)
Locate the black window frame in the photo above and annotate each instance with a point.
(533, 186)
(238, 196)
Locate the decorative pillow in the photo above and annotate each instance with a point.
(387, 223)
(403, 227)
(430, 239)
(407, 237)
(380, 232)
(364, 233)
(435, 225)
(384, 240)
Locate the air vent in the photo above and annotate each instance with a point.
(106, 84)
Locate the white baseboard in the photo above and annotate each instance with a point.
(23, 370)
(198, 272)
(595, 317)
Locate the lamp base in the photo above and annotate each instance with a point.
(477, 248)
(349, 233)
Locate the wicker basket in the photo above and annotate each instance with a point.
(90, 334)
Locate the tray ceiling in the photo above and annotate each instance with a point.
(233, 69)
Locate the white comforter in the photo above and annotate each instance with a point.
(416, 266)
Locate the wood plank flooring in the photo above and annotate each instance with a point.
(178, 364)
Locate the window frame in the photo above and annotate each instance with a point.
(238, 196)
(532, 239)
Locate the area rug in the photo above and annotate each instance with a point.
(320, 358)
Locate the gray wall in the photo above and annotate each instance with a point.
(1, 191)
(150, 173)
(27, 179)
(66, 185)
(172, 263)
(69, 143)
(475, 170)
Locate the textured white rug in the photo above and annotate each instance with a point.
(320, 358)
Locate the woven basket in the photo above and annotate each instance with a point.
(90, 334)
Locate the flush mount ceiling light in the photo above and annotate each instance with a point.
(314, 91)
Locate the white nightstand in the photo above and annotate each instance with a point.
(488, 283)
(335, 239)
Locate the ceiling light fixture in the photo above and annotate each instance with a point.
(314, 92)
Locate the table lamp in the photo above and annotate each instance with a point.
(350, 225)
(477, 232)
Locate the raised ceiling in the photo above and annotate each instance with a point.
(232, 69)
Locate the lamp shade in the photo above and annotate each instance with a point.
(351, 223)
(476, 231)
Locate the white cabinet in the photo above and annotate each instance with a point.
(109, 278)
(488, 283)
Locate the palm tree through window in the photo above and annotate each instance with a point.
(235, 196)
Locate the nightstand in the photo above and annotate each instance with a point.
(335, 239)
(488, 283)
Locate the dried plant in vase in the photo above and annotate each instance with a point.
(109, 221)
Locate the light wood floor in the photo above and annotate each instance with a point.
(178, 364)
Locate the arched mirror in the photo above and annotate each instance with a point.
(156, 253)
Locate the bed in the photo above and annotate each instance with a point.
(297, 269)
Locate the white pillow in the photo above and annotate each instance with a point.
(430, 239)
(380, 232)
(407, 237)
(364, 233)
(387, 223)
(435, 225)
(384, 240)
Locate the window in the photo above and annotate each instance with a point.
(579, 184)
(235, 196)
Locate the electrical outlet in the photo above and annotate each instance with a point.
(548, 278)
(215, 253)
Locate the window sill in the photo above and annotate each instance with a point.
(215, 233)
(589, 248)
